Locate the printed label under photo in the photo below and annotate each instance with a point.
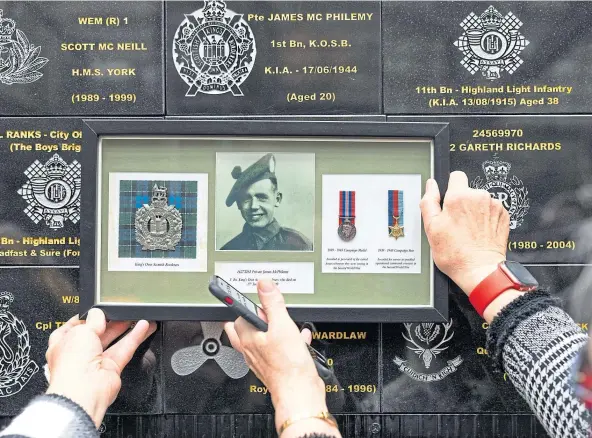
(371, 224)
(291, 278)
(158, 222)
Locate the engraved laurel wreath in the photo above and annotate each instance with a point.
(23, 62)
(519, 211)
(10, 371)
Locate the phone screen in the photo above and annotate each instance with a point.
(237, 296)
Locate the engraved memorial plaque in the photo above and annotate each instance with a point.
(33, 303)
(352, 353)
(572, 285)
(83, 58)
(479, 58)
(282, 57)
(443, 367)
(539, 167)
(41, 183)
(198, 357)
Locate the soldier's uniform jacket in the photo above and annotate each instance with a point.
(271, 238)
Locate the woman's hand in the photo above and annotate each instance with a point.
(84, 368)
(280, 359)
(469, 234)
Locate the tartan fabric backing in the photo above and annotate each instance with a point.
(133, 195)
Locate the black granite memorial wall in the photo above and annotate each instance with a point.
(529, 115)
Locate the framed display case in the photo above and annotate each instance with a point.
(329, 210)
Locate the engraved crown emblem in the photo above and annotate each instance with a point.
(214, 10)
(491, 18)
(159, 196)
(55, 167)
(496, 169)
(6, 298)
(7, 28)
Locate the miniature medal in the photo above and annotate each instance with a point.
(395, 208)
(158, 225)
(347, 215)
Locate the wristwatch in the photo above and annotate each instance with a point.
(508, 275)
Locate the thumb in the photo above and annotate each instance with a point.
(96, 321)
(430, 203)
(272, 301)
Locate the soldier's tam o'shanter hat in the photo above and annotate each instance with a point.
(262, 169)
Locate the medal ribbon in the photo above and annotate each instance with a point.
(395, 207)
(347, 206)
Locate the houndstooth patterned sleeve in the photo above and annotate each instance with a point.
(537, 344)
(51, 416)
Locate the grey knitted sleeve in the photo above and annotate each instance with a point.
(537, 344)
(51, 416)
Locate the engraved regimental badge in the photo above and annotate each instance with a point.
(214, 50)
(52, 192)
(510, 191)
(19, 60)
(428, 340)
(16, 369)
(347, 215)
(395, 213)
(491, 43)
(158, 225)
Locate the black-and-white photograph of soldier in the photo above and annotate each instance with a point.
(268, 206)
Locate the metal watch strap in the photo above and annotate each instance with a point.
(325, 416)
(489, 289)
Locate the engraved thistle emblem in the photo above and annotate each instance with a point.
(214, 50)
(491, 43)
(52, 192)
(428, 341)
(19, 60)
(510, 191)
(158, 225)
(16, 369)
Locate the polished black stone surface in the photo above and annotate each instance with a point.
(420, 57)
(351, 426)
(353, 350)
(541, 168)
(211, 377)
(86, 71)
(25, 332)
(224, 384)
(334, 65)
(473, 387)
(24, 227)
(442, 368)
(42, 299)
(142, 389)
(573, 284)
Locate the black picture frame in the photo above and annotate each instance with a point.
(94, 129)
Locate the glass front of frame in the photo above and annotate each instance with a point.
(335, 221)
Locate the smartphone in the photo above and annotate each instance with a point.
(242, 306)
(239, 303)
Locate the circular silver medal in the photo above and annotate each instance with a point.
(346, 231)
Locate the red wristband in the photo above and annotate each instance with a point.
(489, 289)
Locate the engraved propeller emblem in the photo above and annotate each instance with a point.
(189, 359)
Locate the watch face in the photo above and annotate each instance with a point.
(521, 274)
